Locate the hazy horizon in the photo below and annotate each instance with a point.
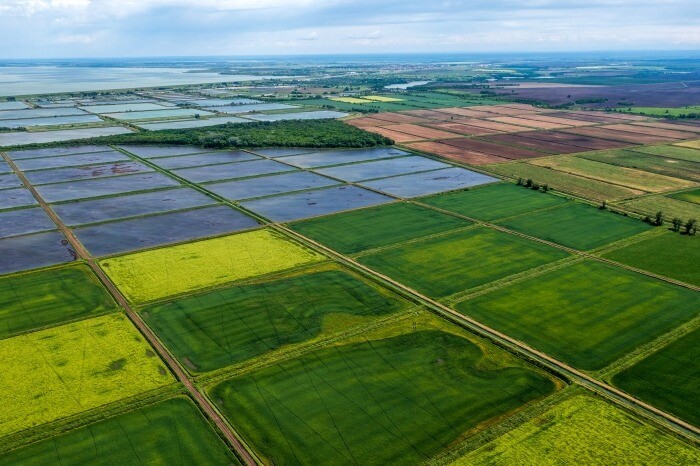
(41, 29)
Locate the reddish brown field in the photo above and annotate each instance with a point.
(615, 116)
(500, 110)
(530, 123)
(673, 126)
(467, 112)
(559, 120)
(496, 126)
(584, 142)
(604, 133)
(397, 118)
(460, 128)
(429, 114)
(552, 147)
(521, 107)
(586, 116)
(666, 133)
(423, 132)
(455, 153)
(397, 136)
(485, 147)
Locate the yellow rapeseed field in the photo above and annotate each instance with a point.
(61, 371)
(350, 100)
(380, 98)
(159, 273)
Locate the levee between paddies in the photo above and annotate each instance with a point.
(62, 371)
(160, 273)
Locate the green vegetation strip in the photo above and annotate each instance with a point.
(62, 371)
(588, 314)
(398, 396)
(222, 327)
(441, 266)
(364, 229)
(675, 152)
(160, 273)
(493, 202)
(670, 254)
(688, 196)
(584, 430)
(307, 133)
(38, 299)
(586, 188)
(577, 226)
(647, 162)
(669, 379)
(169, 432)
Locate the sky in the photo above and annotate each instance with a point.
(133, 28)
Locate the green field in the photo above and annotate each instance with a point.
(231, 325)
(587, 314)
(38, 299)
(493, 202)
(669, 378)
(159, 273)
(584, 430)
(397, 396)
(613, 174)
(674, 152)
(458, 261)
(172, 432)
(364, 229)
(50, 374)
(577, 226)
(670, 207)
(688, 196)
(670, 254)
(664, 111)
(647, 162)
(594, 190)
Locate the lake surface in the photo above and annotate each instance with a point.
(25, 80)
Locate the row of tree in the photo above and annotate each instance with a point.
(689, 226)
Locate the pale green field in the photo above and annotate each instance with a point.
(54, 373)
(583, 431)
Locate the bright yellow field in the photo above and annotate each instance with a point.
(350, 100)
(159, 273)
(54, 373)
(379, 98)
(691, 144)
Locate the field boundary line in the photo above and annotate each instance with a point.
(209, 409)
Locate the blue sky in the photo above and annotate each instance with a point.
(103, 28)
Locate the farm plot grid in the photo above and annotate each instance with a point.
(294, 347)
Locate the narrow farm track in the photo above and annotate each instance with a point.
(201, 400)
(558, 367)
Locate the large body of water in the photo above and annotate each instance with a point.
(26, 80)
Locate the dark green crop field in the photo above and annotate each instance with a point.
(671, 254)
(458, 261)
(577, 226)
(588, 314)
(37, 299)
(692, 196)
(493, 202)
(222, 327)
(399, 399)
(171, 432)
(377, 226)
(669, 378)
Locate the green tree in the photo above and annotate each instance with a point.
(691, 226)
(659, 218)
(676, 222)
